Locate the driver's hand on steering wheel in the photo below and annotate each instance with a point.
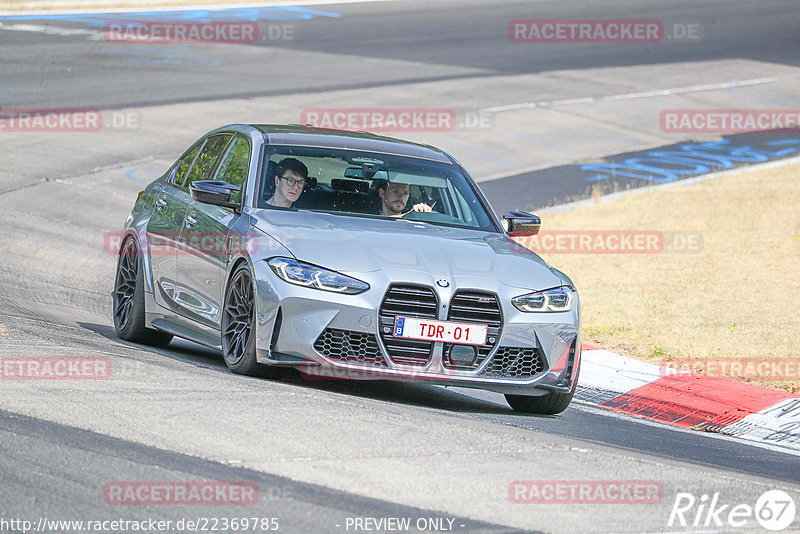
(421, 207)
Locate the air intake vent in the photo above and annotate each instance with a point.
(480, 308)
(515, 362)
(571, 360)
(407, 301)
(350, 347)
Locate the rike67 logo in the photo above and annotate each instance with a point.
(774, 510)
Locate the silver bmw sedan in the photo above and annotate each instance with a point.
(346, 255)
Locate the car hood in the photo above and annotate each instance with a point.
(361, 244)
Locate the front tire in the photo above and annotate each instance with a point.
(238, 333)
(128, 299)
(552, 403)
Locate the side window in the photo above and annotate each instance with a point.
(233, 168)
(185, 163)
(207, 159)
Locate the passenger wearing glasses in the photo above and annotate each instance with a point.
(290, 178)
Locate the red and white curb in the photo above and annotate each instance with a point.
(688, 400)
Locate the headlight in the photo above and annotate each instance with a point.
(557, 299)
(304, 274)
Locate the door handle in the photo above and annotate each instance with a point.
(191, 220)
(161, 203)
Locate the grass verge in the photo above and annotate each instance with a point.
(728, 309)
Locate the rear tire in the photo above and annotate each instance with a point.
(554, 402)
(128, 297)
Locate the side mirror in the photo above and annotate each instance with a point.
(216, 192)
(522, 224)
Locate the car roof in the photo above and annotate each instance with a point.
(298, 135)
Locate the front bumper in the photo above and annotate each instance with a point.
(331, 335)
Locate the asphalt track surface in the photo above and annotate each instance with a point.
(322, 452)
(445, 40)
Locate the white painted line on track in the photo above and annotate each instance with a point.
(53, 30)
(628, 96)
(99, 10)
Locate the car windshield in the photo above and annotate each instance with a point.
(355, 183)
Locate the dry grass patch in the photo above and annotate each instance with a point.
(737, 298)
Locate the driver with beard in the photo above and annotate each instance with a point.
(394, 197)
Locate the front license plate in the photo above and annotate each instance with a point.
(449, 332)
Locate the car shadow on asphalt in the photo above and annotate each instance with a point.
(178, 349)
(396, 392)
